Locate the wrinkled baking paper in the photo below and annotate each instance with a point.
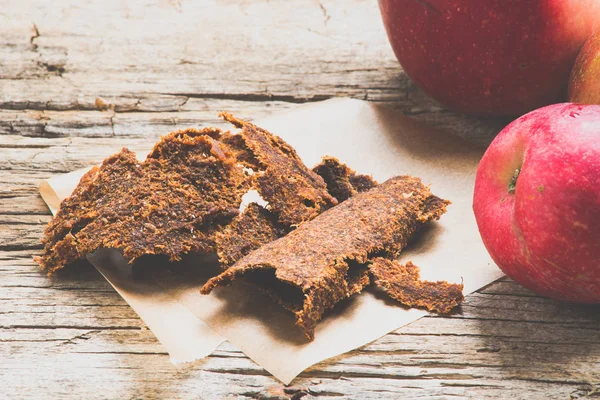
(372, 140)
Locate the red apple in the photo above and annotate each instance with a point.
(584, 84)
(495, 57)
(537, 201)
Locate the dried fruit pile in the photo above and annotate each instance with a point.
(319, 240)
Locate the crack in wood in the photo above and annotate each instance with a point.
(240, 371)
(326, 15)
(324, 393)
(380, 375)
(550, 381)
(468, 385)
(88, 327)
(83, 336)
(507, 319)
(185, 101)
(587, 392)
(253, 97)
(125, 108)
(140, 353)
(112, 123)
(18, 246)
(58, 69)
(36, 34)
(507, 294)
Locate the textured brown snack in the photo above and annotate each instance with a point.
(248, 231)
(403, 283)
(258, 226)
(323, 261)
(187, 189)
(172, 203)
(294, 193)
(342, 182)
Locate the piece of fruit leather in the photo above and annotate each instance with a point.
(172, 203)
(342, 181)
(308, 270)
(403, 283)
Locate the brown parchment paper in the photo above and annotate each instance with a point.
(372, 140)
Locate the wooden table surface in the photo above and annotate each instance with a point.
(81, 79)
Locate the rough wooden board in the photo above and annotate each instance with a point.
(165, 57)
(75, 89)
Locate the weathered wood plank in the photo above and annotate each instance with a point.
(291, 58)
(485, 351)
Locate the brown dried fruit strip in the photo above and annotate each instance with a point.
(254, 227)
(342, 182)
(307, 271)
(294, 193)
(402, 283)
(172, 203)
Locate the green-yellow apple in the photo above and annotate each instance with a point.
(495, 57)
(537, 201)
(584, 84)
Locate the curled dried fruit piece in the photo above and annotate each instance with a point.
(403, 283)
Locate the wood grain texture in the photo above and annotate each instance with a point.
(80, 80)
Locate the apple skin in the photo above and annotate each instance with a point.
(545, 235)
(490, 57)
(584, 83)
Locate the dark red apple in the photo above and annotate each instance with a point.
(537, 201)
(584, 84)
(495, 57)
